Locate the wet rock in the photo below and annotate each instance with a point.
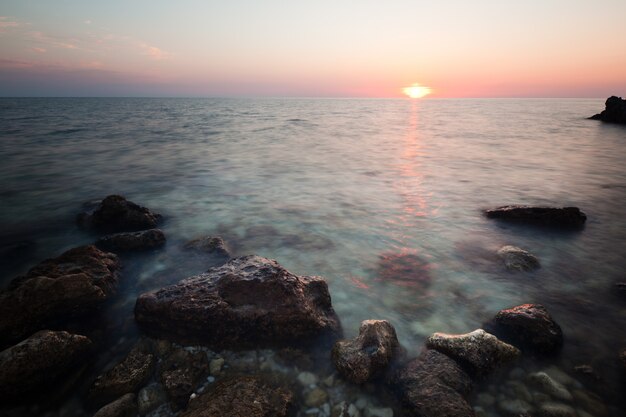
(530, 327)
(43, 358)
(247, 396)
(150, 397)
(516, 259)
(554, 409)
(434, 385)
(307, 378)
(480, 351)
(316, 397)
(76, 283)
(125, 377)
(614, 111)
(368, 355)
(209, 244)
(215, 366)
(553, 217)
(378, 412)
(515, 407)
(116, 214)
(181, 372)
(132, 241)
(550, 386)
(125, 406)
(249, 302)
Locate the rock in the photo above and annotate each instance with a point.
(559, 376)
(249, 302)
(590, 402)
(150, 397)
(516, 259)
(181, 372)
(316, 397)
(552, 217)
(480, 351)
(43, 358)
(553, 409)
(434, 385)
(209, 244)
(116, 214)
(550, 386)
(515, 407)
(307, 378)
(125, 377)
(408, 270)
(132, 241)
(247, 396)
(614, 111)
(76, 283)
(368, 355)
(215, 366)
(378, 412)
(124, 406)
(529, 327)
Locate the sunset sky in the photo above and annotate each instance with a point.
(322, 48)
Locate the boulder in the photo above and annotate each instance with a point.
(529, 327)
(479, 351)
(75, 283)
(209, 244)
(247, 396)
(614, 111)
(517, 259)
(116, 214)
(434, 385)
(180, 373)
(125, 406)
(551, 217)
(249, 302)
(132, 241)
(42, 359)
(369, 354)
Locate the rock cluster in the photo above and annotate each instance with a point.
(552, 217)
(614, 112)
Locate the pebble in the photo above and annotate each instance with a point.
(515, 407)
(329, 381)
(307, 378)
(353, 411)
(550, 386)
(378, 412)
(556, 410)
(361, 403)
(560, 376)
(210, 379)
(215, 366)
(316, 397)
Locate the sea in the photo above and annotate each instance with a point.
(384, 198)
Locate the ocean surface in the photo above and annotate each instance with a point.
(383, 198)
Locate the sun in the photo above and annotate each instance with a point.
(417, 91)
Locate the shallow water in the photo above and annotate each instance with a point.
(345, 189)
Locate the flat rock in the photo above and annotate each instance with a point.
(132, 241)
(247, 396)
(552, 217)
(480, 351)
(76, 283)
(125, 406)
(369, 354)
(249, 302)
(180, 374)
(209, 244)
(43, 358)
(116, 214)
(614, 111)
(517, 259)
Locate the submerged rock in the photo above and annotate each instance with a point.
(369, 354)
(116, 214)
(614, 111)
(132, 241)
(249, 302)
(43, 358)
(125, 406)
(480, 351)
(209, 244)
(554, 217)
(75, 283)
(549, 386)
(150, 397)
(404, 270)
(180, 373)
(517, 259)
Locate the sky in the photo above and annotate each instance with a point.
(322, 48)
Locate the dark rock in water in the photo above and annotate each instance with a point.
(479, 351)
(405, 270)
(127, 376)
(247, 396)
(125, 406)
(77, 282)
(614, 112)
(553, 217)
(529, 327)
(368, 355)
(116, 214)
(209, 244)
(150, 398)
(249, 302)
(434, 385)
(43, 358)
(181, 372)
(132, 241)
(517, 259)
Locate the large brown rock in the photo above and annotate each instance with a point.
(369, 354)
(116, 214)
(248, 302)
(43, 358)
(614, 111)
(181, 372)
(552, 217)
(245, 396)
(75, 283)
(132, 241)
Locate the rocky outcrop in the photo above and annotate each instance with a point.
(517, 259)
(180, 373)
(132, 241)
(125, 406)
(551, 217)
(249, 302)
(116, 214)
(77, 282)
(43, 358)
(479, 351)
(242, 396)
(529, 327)
(614, 111)
(368, 355)
(209, 244)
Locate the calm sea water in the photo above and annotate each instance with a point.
(381, 197)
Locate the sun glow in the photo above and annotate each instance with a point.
(417, 91)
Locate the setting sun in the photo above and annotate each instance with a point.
(417, 91)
